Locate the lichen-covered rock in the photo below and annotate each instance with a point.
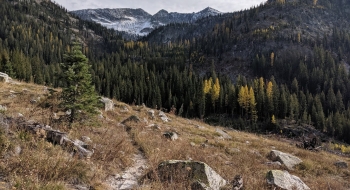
(285, 181)
(288, 160)
(198, 174)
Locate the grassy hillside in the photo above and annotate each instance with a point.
(30, 162)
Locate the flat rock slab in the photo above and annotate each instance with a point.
(199, 174)
(285, 181)
(288, 160)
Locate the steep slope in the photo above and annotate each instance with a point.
(28, 161)
(137, 22)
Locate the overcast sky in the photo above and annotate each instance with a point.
(153, 6)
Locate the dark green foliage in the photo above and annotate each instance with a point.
(79, 94)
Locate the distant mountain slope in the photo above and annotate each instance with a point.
(235, 39)
(137, 22)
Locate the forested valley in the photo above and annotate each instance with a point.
(308, 83)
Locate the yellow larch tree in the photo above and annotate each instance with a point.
(215, 90)
(269, 90)
(252, 105)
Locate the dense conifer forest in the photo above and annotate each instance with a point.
(310, 87)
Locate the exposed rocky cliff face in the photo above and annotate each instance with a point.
(137, 22)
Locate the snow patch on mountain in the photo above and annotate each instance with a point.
(139, 22)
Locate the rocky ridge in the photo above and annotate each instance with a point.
(137, 22)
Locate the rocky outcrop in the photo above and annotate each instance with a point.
(171, 135)
(163, 117)
(109, 104)
(285, 181)
(288, 160)
(198, 174)
(4, 77)
(75, 147)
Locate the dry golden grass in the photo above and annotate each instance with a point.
(44, 166)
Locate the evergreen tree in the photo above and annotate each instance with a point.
(79, 95)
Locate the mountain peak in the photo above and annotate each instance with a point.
(161, 13)
(210, 10)
(137, 22)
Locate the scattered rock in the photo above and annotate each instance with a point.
(198, 174)
(132, 118)
(193, 144)
(154, 126)
(223, 134)
(237, 182)
(163, 117)
(125, 109)
(58, 138)
(151, 113)
(285, 181)
(68, 112)
(161, 114)
(288, 160)
(200, 127)
(17, 151)
(171, 135)
(86, 139)
(4, 77)
(109, 104)
(55, 116)
(341, 164)
(20, 115)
